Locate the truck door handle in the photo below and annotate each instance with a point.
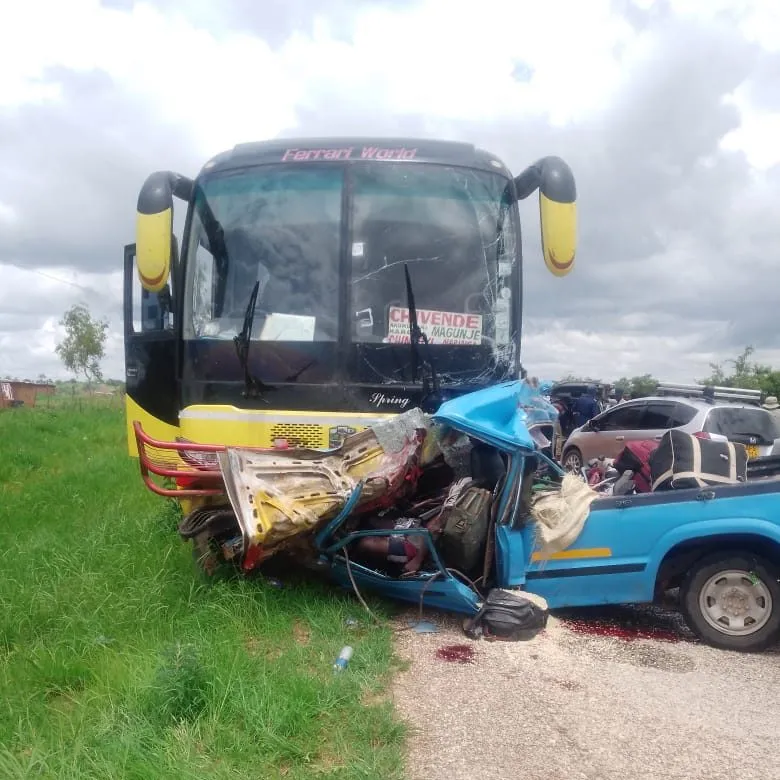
(706, 495)
(623, 503)
(658, 438)
(620, 438)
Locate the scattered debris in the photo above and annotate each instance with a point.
(424, 627)
(344, 657)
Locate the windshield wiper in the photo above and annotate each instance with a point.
(253, 387)
(416, 335)
(297, 374)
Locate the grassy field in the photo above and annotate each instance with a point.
(118, 661)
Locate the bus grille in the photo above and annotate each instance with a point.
(299, 434)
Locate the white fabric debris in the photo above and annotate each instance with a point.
(560, 515)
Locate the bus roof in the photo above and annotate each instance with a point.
(355, 149)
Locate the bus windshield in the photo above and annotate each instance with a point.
(451, 228)
(278, 227)
(283, 226)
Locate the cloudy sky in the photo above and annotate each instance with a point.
(668, 113)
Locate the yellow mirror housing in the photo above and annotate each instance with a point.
(153, 231)
(557, 210)
(559, 234)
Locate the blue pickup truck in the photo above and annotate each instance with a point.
(720, 545)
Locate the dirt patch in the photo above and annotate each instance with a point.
(374, 698)
(326, 763)
(255, 646)
(301, 633)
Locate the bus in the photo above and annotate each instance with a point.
(321, 285)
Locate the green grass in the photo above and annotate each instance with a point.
(117, 660)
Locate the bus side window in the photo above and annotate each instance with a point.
(152, 311)
(203, 290)
(156, 311)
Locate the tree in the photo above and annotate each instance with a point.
(575, 378)
(638, 386)
(83, 347)
(753, 376)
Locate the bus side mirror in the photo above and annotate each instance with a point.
(557, 210)
(155, 246)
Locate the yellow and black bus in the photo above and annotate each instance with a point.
(320, 285)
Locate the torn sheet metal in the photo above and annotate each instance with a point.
(283, 493)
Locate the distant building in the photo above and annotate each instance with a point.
(23, 393)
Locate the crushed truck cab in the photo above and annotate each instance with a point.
(439, 510)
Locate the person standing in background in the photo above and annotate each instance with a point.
(773, 407)
(586, 407)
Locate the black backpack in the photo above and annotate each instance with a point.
(507, 616)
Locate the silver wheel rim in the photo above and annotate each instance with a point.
(735, 602)
(572, 462)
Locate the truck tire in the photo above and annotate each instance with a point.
(731, 600)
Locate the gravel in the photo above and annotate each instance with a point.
(576, 705)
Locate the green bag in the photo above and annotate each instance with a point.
(464, 531)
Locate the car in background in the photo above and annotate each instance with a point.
(735, 416)
(567, 392)
(563, 396)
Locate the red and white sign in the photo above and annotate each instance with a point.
(441, 327)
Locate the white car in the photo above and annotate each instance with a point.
(727, 419)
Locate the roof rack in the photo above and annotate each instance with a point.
(743, 394)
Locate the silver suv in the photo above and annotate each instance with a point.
(734, 416)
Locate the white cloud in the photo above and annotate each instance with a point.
(185, 75)
(449, 62)
(757, 137)
(438, 58)
(8, 216)
(31, 304)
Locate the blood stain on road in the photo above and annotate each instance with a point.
(460, 654)
(628, 633)
(627, 624)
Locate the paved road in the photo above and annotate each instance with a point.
(572, 705)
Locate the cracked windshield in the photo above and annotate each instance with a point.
(282, 228)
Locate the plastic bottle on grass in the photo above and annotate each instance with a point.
(343, 659)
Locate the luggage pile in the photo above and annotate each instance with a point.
(682, 461)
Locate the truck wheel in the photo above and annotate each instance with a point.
(572, 460)
(732, 601)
